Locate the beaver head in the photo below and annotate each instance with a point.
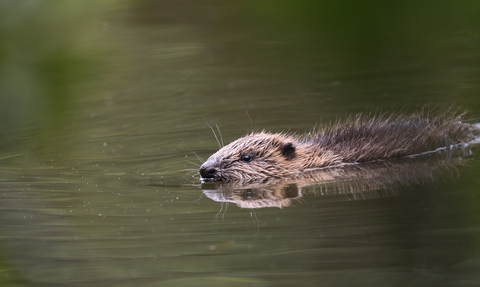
(257, 156)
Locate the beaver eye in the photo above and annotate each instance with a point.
(246, 158)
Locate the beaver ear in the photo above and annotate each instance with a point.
(287, 150)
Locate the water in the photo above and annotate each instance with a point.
(101, 121)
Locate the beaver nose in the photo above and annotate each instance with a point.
(208, 172)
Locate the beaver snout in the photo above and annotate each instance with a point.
(208, 172)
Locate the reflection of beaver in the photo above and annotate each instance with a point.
(369, 180)
(260, 156)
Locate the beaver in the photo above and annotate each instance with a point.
(262, 155)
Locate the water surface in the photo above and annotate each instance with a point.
(98, 180)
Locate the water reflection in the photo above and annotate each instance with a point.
(362, 181)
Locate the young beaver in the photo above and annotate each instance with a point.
(263, 155)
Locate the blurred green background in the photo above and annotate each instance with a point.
(50, 50)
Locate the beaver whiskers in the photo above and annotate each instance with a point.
(263, 155)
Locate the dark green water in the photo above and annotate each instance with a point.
(102, 105)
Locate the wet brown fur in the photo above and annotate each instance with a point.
(362, 138)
